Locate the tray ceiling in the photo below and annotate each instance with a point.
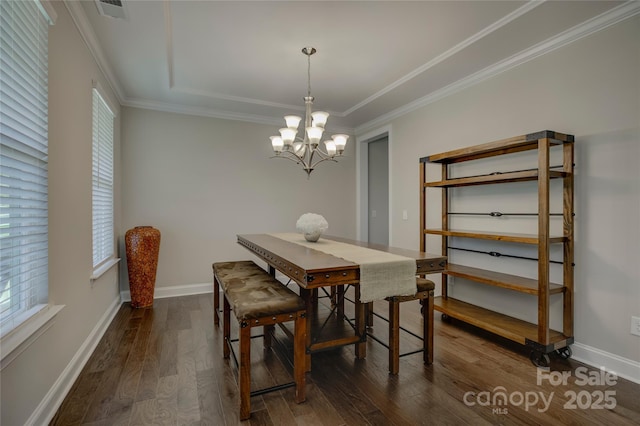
(243, 60)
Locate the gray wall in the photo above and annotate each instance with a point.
(201, 181)
(590, 88)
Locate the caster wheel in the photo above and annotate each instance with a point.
(445, 318)
(564, 353)
(539, 359)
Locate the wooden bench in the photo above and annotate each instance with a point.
(258, 299)
(425, 295)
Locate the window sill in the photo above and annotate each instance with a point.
(100, 270)
(21, 337)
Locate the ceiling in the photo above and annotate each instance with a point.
(375, 59)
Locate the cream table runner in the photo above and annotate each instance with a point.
(382, 274)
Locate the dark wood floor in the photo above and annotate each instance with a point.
(164, 366)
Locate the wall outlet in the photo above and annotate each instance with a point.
(635, 326)
(404, 215)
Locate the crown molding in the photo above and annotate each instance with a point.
(89, 37)
(48, 11)
(198, 111)
(532, 4)
(213, 113)
(214, 95)
(239, 99)
(591, 26)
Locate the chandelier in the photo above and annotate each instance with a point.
(306, 150)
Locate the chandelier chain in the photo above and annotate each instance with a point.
(308, 75)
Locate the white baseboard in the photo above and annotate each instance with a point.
(174, 291)
(54, 398)
(622, 367)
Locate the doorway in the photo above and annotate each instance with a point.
(373, 180)
(378, 191)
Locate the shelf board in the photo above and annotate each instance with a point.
(495, 236)
(505, 146)
(494, 322)
(518, 176)
(498, 279)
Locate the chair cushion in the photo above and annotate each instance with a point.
(424, 284)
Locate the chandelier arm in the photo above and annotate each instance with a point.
(307, 166)
(321, 153)
(323, 157)
(290, 156)
(313, 166)
(312, 152)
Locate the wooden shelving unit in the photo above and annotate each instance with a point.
(538, 336)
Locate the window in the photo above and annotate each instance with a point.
(23, 161)
(103, 229)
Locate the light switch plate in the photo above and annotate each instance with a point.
(635, 326)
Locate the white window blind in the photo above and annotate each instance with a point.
(103, 231)
(23, 161)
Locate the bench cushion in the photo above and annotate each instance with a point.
(229, 273)
(253, 293)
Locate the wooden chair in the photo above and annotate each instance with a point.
(258, 299)
(424, 293)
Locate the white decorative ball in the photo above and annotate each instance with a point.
(312, 225)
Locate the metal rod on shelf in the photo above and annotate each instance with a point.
(497, 254)
(510, 171)
(499, 214)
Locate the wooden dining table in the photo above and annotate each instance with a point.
(314, 270)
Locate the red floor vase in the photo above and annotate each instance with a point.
(142, 245)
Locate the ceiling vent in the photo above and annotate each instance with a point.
(111, 8)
